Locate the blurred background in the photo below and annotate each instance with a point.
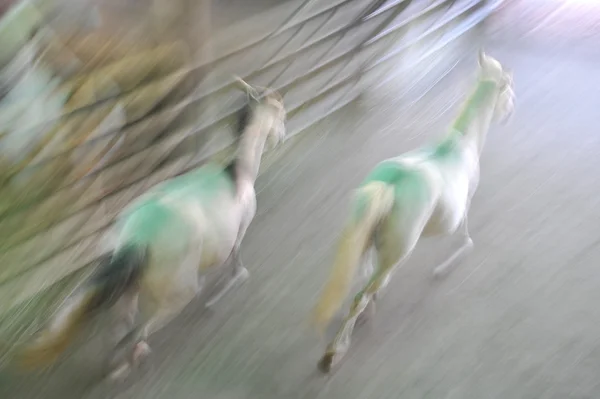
(100, 100)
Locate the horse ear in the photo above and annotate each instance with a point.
(267, 92)
(481, 57)
(245, 87)
(270, 92)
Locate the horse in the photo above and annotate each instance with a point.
(422, 193)
(166, 241)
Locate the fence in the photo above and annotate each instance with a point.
(122, 130)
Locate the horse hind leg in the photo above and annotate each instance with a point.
(394, 242)
(172, 305)
(368, 273)
(161, 313)
(124, 314)
(337, 349)
(368, 263)
(390, 254)
(341, 343)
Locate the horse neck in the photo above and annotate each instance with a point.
(251, 147)
(475, 119)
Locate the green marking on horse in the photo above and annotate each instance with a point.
(450, 146)
(401, 177)
(484, 92)
(166, 242)
(206, 182)
(151, 215)
(387, 172)
(404, 178)
(142, 224)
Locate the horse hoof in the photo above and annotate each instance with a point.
(120, 374)
(438, 272)
(442, 270)
(238, 279)
(242, 276)
(326, 363)
(469, 244)
(140, 352)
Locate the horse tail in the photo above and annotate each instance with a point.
(117, 274)
(372, 203)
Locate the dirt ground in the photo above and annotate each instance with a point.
(516, 319)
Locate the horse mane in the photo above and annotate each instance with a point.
(242, 118)
(231, 169)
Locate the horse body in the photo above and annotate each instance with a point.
(199, 211)
(166, 241)
(422, 193)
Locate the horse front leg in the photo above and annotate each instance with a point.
(466, 247)
(238, 276)
(239, 273)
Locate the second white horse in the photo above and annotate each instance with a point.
(422, 193)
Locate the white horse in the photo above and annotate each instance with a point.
(422, 193)
(167, 240)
